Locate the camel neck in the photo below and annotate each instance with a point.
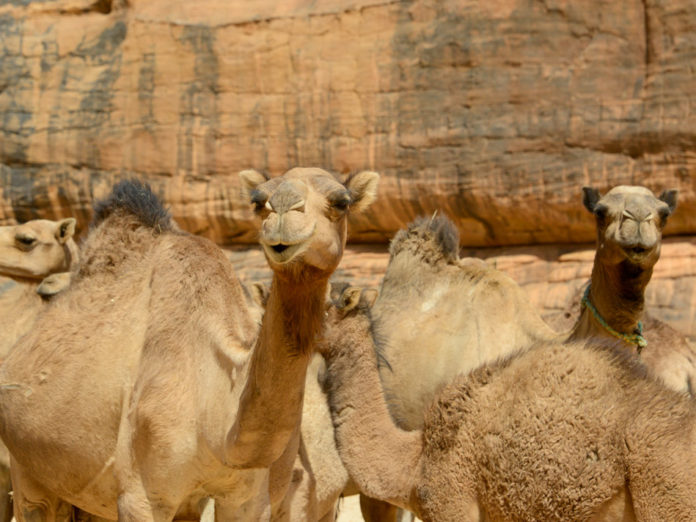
(270, 407)
(381, 458)
(618, 293)
(613, 303)
(297, 312)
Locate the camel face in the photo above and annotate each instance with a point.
(304, 215)
(629, 223)
(37, 248)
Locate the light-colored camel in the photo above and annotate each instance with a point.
(630, 220)
(141, 389)
(555, 432)
(28, 253)
(36, 250)
(319, 478)
(441, 315)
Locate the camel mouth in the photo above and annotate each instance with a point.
(638, 253)
(282, 253)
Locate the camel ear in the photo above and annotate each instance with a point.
(251, 179)
(54, 284)
(350, 298)
(590, 197)
(363, 189)
(336, 290)
(670, 197)
(368, 297)
(65, 230)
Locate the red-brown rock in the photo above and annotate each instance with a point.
(495, 113)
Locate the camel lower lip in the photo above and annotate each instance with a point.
(637, 252)
(281, 255)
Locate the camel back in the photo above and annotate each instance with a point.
(137, 199)
(433, 239)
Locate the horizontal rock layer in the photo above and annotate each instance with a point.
(552, 276)
(495, 112)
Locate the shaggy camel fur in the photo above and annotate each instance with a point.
(152, 394)
(29, 252)
(555, 432)
(629, 235)
(439, 316)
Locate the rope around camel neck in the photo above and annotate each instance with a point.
(633, 338)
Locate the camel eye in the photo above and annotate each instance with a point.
(259, 200)
(601, 211)
(341, 203)
(25, 241)
(664, 212)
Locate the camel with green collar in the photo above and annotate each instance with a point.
(630, 220)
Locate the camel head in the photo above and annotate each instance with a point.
(37, 248)
(304, 215)
(630, 220)
(348, 311)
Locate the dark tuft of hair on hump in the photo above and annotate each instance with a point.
(434, 236)
(136, 198)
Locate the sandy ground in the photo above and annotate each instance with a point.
(349, 511)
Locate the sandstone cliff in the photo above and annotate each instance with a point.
(496, 113)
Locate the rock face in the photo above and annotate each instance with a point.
(495, 113)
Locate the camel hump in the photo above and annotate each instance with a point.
(432, 238)
(136, 198)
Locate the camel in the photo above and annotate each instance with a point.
(464, 313)
(29, 253)
(553, 432)
(144, 388)
(443, 315)
(629, 221)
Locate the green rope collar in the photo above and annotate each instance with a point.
(633, 338)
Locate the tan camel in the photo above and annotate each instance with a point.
(555, 432)
(630, 220)
(319, 478)
(28, 253)
(441, 315)
(140, 389)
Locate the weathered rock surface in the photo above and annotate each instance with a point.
(552, 275)
(495, 112)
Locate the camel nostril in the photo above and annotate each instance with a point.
(279, 248)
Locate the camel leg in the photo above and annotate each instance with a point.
(5, 494)
(33, 503)
(253, 504)
(253, 509)
(377, 510)
(134, 506)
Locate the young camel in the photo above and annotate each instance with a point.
(630, 220)
(440, 315)
(144, 388)
(586, 434)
